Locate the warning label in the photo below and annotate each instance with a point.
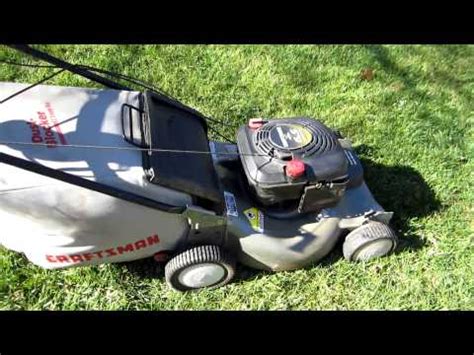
(255, 218)
(230, 204)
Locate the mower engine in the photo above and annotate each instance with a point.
(295, 163)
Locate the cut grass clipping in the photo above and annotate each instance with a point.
(407, 109)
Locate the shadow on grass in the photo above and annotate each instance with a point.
(400, 189)
(404, 191)
(443, 79)
(144, 268)
(382, 56)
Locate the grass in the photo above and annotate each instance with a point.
(412, 125)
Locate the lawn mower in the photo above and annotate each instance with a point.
(92, 176)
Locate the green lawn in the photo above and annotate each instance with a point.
(412, 125)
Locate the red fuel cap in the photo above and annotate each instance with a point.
(295, 168)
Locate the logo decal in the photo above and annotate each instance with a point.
(290, 136)
(45, 128)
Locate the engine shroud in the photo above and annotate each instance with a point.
(268, 149)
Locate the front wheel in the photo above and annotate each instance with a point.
(205, 266)
(369, 241)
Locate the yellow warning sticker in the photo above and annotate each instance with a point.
(255, 218)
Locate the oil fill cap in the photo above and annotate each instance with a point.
(295, 168)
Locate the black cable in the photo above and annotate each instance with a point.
(27, 65)
(130, 79)
(31, 86)
(152, 88)
(135, 81)
(149, 86)
(221, 135)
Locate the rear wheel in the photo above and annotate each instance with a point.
(369, 241)
(205, 266)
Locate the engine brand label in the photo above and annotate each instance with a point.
(290, 136)
(255, 218)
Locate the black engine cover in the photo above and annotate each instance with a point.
(267, 149)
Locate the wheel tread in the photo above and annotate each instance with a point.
(198, 255)
(370, 231)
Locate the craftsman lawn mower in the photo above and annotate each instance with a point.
(91, 176)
